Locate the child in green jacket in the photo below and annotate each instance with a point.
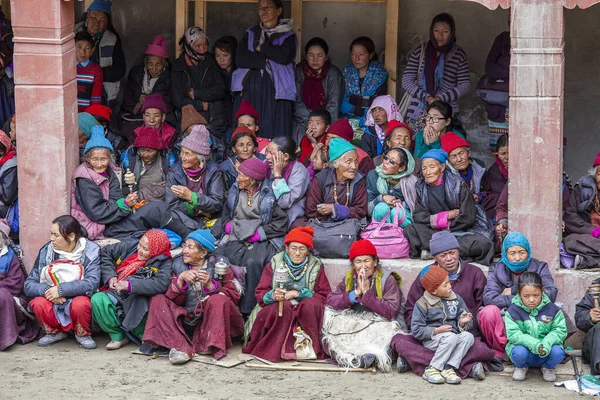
(536, 330)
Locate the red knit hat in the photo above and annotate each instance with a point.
(148, 137)
(393, 124)
(451, 141)
(342, 128)
(254, 168)
(302, 235)
(99, 111)
(432, 277)
(362, 248)
(246, 108)
(155, 101)
(158, 47)
(597, 160)
(240, 130)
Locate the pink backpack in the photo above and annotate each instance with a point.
(388, 239)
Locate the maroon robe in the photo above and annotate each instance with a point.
(272, 337)
(221, 319)
(14, 325)
(469, 286)
(493, 184)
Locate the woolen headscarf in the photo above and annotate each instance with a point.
(338, 147)
(158, 242)
(388, 103)
(431, 53)
(204, 237)
(516, 239)
(254, 168)
(192, 34)
(302, 235)
(432, 276)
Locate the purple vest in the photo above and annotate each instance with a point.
(283, 75)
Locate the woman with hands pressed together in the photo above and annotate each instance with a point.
(439, 120)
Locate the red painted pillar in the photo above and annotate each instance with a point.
(46, 103)
(536, 124)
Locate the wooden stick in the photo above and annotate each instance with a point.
(290, 368)
(281, 307)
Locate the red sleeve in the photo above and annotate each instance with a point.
(227, 287)
(339, 298)
(97, 86)
(265, 284)
(175, 294)
(414, 294)
(322, 287)
(314, 196)
(478, 287)
(358, 209)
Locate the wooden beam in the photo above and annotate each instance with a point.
(297, 16)
(391, 44)
(200, 14)
(181, 15)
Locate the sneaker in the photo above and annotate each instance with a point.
(86, 342)
(401, 364)
(520, 374)
(117, 344)
(367, 360)
(426, 255)
(177, 357)
(450, 376)
(548, 374)
(496, 365)
(432, 375)
(477, 372)
(51, 338)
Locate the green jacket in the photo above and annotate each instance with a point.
(544, 325)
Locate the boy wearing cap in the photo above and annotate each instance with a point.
(440, 321)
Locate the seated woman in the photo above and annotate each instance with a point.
(65, 273)
(243, 147)
(587, 316)
(496, 178)
(195, 185)
(342, 129)
(197, 80)
(460, 162)
(290, 305)
(445, 202)
(191, 317)
(252, 225)
(290, 177)
(439, 120)
(16, 324)
(338, 192)
(265, 74)
(97, 200)
(365, 79)
(502, 287)
(398, 135)
(368, 293)
(319, 85)
(148, 161)
(224, 51)
(443, 73)
(9, 185)
(390, 183)
(383, 110)
(132, 272)
(154, 114)
(153, 76)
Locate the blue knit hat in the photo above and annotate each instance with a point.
(516, 239)
(86, 122)
(101, 5)
(97, 140)
(338, 147)
(204, 237)
(442, 241)
(436, 154)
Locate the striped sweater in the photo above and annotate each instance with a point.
(89, 85)
(456, 81)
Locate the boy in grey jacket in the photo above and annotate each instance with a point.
(441, 321)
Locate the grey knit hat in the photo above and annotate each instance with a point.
(198, 140)
(442, 241)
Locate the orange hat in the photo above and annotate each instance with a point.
(302, 234)
(451, 141)
(362, 248)
(432, 277)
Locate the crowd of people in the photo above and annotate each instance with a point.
(258, 168)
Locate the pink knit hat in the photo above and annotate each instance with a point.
(198, 140)
(254, 168)
(597, 160)
(158, 47)
(155, 101)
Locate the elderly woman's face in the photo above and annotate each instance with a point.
(147, 155)
(143, 249)
(244, 148)
(191, 252)
(96, 22)
(316, 57)
(99, 160)
(441, 32)
(503, 155)
(268, 13)
(360, 56)
(459, 158)
(432, 170)
(201, 46)
(391, 163)
(244, 181)
(379, 116)
(223, 59)
(399, 137)
(365, 264)
(189, 159)
(154, 117)
(347, 165)
(516, 253)
(155, 65)
(297, 252)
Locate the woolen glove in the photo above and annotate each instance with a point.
(595, 232)
(228, 228)
(254, 238)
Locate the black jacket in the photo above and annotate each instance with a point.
(133, 88)
(89, 197)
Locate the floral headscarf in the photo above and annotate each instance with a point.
(158, 242)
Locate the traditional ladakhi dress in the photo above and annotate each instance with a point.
(271, 337)
(354, 327)
(196, 322)
(149, 178)
(290, 192)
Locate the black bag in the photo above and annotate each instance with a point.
(333, 239)
(493, 90)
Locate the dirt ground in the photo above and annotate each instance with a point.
(66, 371)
